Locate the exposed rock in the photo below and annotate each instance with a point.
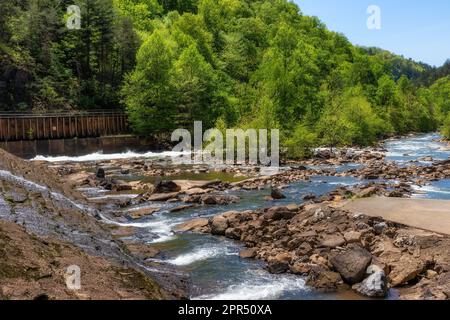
(430, 274)
(308, 197)
(279, 263)
(405, 269)
(375, 286)
(196, 191)
(162, 196)
(218, 225)
(181, 208)
(143, 251)
(122, 232)
(333, 241)
(247, 253)
(279, 213)
(100, 173)
(304, 249)
(192, 225)
(380, 227)
(140, 213)
(368, 192)
(119, 186)
(16, 197)
(301, 268)
(166, 186)
(233, 233)
(352, 264)
(352, 237)
(276, 194)
(319, 260)
(218, 199)
(323, 280)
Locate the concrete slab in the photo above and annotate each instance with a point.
(432, 215)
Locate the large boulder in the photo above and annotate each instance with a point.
(279, 213)
(165, 186)
(276, 194)
(219, 225)
(352, 264)
(375, 286)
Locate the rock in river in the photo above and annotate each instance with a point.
(352, 264)
(166, 187)
(218, 225)
(247, 253)
(100, 173)
(140, 213)
(276, 194)
(193, 225)
(375, 286)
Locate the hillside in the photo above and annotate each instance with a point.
(229, 63)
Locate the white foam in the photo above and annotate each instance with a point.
(200, 254)
(259, 288)
(430, 188)
(99, 156)
(114, 196)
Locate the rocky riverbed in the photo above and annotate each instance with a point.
(147, 219)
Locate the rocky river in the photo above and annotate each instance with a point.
(167, 220)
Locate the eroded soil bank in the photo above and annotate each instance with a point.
(46, 226)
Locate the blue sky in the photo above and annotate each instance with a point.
(417, 29)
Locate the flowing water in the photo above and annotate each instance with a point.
(213, 263)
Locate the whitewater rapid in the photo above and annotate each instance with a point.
(100, 156)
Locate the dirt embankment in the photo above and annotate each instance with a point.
(38, 172)
(36, 268)
(45, 227)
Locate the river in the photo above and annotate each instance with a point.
(213, 263)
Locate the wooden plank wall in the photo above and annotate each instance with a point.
(18, 127)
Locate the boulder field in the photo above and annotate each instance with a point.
(337, 250)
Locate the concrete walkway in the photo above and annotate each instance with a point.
(431, 215)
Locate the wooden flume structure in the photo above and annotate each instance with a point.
(61, 125)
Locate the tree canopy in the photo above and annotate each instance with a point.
(229, 63)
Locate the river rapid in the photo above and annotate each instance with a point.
(213, 263)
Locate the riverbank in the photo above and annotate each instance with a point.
(47, 226)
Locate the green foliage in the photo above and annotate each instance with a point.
(446, 127)
(232, 63)
(300, 145)
(48, 66)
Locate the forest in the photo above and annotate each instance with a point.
(229, 63)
